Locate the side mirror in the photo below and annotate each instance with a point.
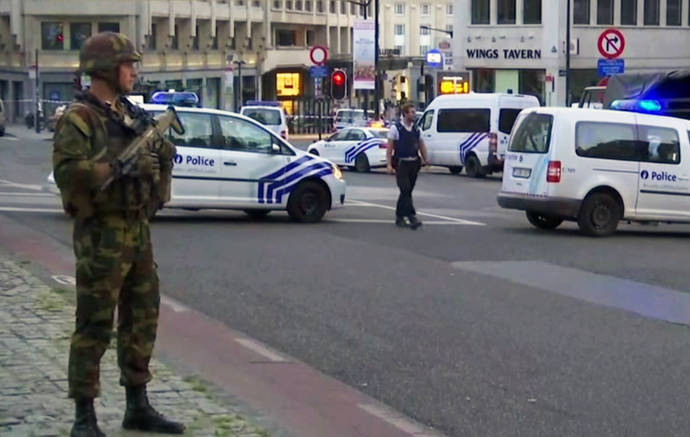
(275, 148)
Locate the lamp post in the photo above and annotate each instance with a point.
(567, 55)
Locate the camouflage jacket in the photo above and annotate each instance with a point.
(91, 132)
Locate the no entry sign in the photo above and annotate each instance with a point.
(611, 43)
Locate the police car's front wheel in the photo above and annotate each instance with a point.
(308, 203)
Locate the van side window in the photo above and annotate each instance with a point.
(615, 141)
(506, 119)
(427, 119)
(533, 135)
(463, 120)
(659, 145)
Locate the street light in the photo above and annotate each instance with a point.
(448, 32)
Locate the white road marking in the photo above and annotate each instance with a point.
(41, 210)
(64, 279)
(9, 138)
(261, 350)
(25, 186)
(174, 305)
(399, 421)
(28, 194)
(441, 217)
(389, 222)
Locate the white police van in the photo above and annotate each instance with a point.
(597, 167)
(471, 130)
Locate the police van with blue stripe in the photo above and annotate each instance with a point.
(471, 130)
(228, 161)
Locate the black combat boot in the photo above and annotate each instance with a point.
(141, 416)
(85, 420)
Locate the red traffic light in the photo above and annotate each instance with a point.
(338, 78)
(60, 37)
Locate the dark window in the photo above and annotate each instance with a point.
(506, 11)
(606, 141)
(674, 12)
(277, 4)
(195, 40)
(484, 81)
(481, 12)
(310, 37)
(52, 36)
(214, 40)
(506, 119)
(264, 116)
(79, 32)
(427, 119)
(651, 12)
(198, 131)
(331, 7)
(343, 7)
(109, 27)
(532, 11)
(285, 37)
(174, 43)
(153, 36)
(659, 145)
(629, 12)
(319, 7)
(581, 12)
(355, 135)
(463, 120)
(605, 12)
(533, 135)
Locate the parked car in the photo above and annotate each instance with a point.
(358, 148)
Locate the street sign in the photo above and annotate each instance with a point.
(609, 67)
(55, 95)
(318, 55)
(611, 43)
(320, 71)
(434, 58)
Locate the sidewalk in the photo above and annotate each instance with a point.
(35, 325)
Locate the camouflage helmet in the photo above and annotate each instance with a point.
(103, 52)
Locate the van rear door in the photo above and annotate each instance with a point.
(527, 159)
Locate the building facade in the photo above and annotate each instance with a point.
(520, 45)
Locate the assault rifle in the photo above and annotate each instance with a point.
(157, 125)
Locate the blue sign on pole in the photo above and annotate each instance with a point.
(55, 95)
(321, 71)
(610, 67)
(434, 58)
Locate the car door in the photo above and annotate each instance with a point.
(197, 161)
(425, 125)
(506, 121)
(333, 148)
(249, 161)
(349, 149)
(664, 176)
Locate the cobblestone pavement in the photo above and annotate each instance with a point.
(36, 322)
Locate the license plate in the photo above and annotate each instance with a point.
(522, 172)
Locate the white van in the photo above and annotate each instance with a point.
(270, 114)
(597, 167)
(471, 130)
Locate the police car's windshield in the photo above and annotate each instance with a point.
(350, 115)
(263, 116)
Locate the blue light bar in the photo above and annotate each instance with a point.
(649, 105)
(637, 105)
(182, 98)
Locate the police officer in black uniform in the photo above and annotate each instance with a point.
(405, 145)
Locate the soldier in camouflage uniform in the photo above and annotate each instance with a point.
(112, 240)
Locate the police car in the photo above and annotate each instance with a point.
(228, 161)
(358, 148)
(597, 167)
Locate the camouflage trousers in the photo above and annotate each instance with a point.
(115, 269)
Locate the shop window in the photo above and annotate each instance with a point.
(481, 11)
(109, 27)
(463, 120)
(629, 12)
(674, 12)
(615, 141)
(532, 12)
(651, 12)
(581, 12)
(531, 83)
(79, 33)
(484, 81)
(506, 11)
(605, 12)
(52, 36)
(287, 84)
